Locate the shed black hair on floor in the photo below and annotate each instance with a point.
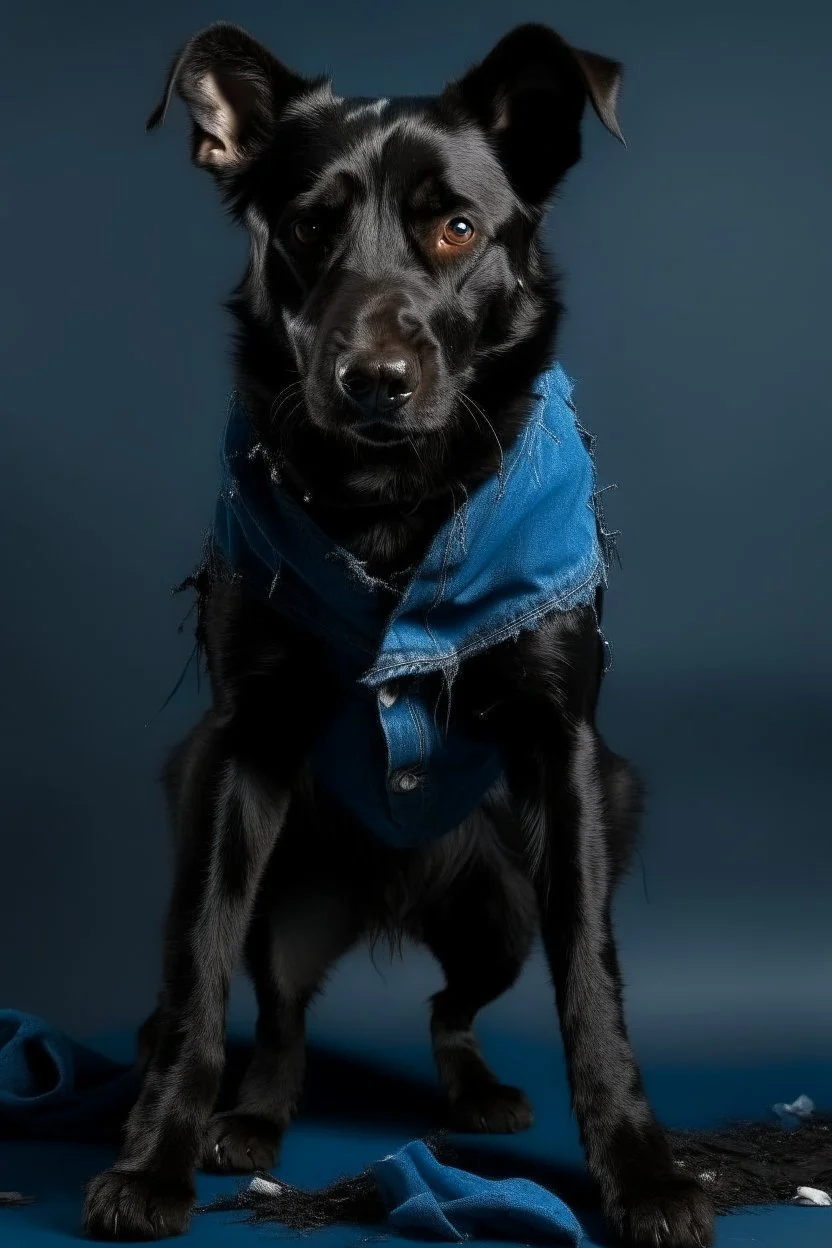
(758, 1163)
(741, 1165)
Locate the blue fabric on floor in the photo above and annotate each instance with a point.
(424, 1196)
(50, 1086)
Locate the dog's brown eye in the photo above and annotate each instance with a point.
(307, 230)
(457, 231)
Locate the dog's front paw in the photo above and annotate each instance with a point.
(237, 1143)
(671, 1212)
(493, 1108)
(125, 1205)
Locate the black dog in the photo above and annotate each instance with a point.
(396, 310)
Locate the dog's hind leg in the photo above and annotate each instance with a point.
(481, 934)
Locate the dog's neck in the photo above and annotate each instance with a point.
(387, 514)
(387, 522)
(388, 535)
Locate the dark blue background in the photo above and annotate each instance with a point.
(698, 268)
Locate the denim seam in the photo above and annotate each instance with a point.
(421, 735)
(440, 589)
(506, 630)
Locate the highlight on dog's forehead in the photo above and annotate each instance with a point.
(397, 139)
(365, 107)
(321, 104)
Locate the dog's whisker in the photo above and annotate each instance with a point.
(478, 408)
(476, 411)
(282, 397)
(412, 441)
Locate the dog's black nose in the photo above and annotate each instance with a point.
(378, 382)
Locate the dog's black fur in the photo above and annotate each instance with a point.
(396, 310)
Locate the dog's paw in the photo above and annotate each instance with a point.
(673, 1212)
(237, 1143)
(130, 1205)
(492, 1108)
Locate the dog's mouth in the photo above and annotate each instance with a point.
(382, 432)
(381, 428)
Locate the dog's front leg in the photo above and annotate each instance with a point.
(560, 771)
(228, 821)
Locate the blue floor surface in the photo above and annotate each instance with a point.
(362, 1104)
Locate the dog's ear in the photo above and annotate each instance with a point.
(529, 95)
(234, 90)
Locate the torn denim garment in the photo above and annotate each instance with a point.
(528, 541)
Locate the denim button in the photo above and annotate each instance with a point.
(388, 694)
(404, 781)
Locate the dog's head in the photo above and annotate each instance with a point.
(396, 291)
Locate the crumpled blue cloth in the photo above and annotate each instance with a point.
(54, 1088)
(426, 1197)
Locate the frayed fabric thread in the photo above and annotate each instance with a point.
(211, 569)
(356, 570)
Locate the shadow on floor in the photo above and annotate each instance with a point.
(344, 1094)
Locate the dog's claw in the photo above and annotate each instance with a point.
(128, 1205)
(674, 1213)
(240, 1143)
(495, 1108)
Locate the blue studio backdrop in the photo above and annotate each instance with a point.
(697, 270)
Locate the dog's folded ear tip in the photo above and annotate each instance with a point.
(613, 129)
(610, 122)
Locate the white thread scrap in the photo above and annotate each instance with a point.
(264, 1186)
(812, 1196)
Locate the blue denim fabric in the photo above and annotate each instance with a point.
(426, 1198)
(526, 542)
